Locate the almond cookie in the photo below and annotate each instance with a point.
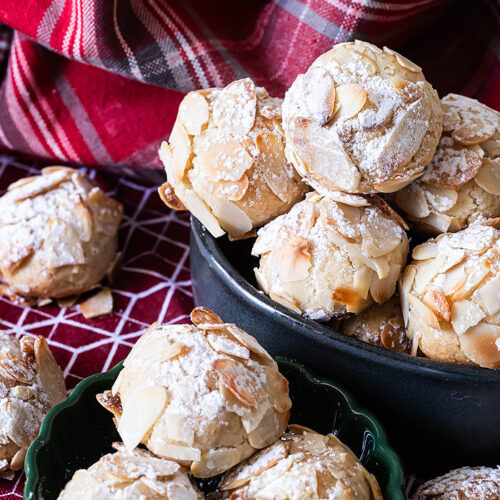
(132, 475)
(58, 234)
(302, 464)
(450, 296)
(226, 160)
(31, 383)
(207, 395)
(332, 255)
(361, 120)
(380, 324)
(461, 185)
(467, 483)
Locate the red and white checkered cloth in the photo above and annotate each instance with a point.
(98, 82)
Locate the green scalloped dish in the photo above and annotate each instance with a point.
(77, 432)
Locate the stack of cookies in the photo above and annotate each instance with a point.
(359, 136)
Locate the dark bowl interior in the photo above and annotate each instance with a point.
(437, 415)
(76, 433)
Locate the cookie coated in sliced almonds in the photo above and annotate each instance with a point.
(450, 296)
(332, 255)
(58, 235)
(225, 160)
(461, 185)
(31, 383)
(204, 394)
(361, 120)
(301, 464)
(467, 483)
(131, 475)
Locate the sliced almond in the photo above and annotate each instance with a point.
(440, 223)
(426, 271)
(422, 311)
(112, 402)
(202, 315)
(277, 387)
(49, 372)
(488, 176)
(223, 344)
(362, 279)
(214, 462)
(489, 295)
(285, 302)
(99, 304)
(472, 131)
(68, 301)
(140, 411)
(238, 380)
(413, 201)
(234, 191)
(388, 210)
(409, 91)
(200, 210)
(177, 451)
(107, 212)
(464, 315)
(344, 53)
(21, 182)
(253, 467)
(380, 238)
(232, 218)
(168, 196)
(194, 112)
(181, 150)
(236, 106)
(296, 259)
(62, 245)
(383, 289)
(405, 284)
(274, 166)
(226, 161)
(250, 343)
(351, 98)
(319, 89)
(51, 178)
(17, 461)
(473, 279)
(347, 296)
(395, 184)
(83, 220)
(436, 300)
(325, 157)
(353, 200)
(403, 61)
(480, 344)
(425, 251)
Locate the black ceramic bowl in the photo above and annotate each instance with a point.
(438, 416)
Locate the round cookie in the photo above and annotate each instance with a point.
(207, 395)
(328, 257)
(461, 185)
(361, 120)
(467, 483)
(58, 234)
(449, 297)
(132, 475)
(380, 324)
(302, 464)
(31, 383)
(226, 160)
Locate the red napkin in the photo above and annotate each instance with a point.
(96, 81)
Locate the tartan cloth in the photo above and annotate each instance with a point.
(97, 82)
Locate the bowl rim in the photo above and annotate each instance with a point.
(382, 450)
(315, 331)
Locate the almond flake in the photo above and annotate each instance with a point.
(489, 295)
(480, 344)
(194, 112)
(413, 201)
(422, 311)
(49, 372)
(17, 461)
(277, 386)
(178, 452)
(488, 176)
(236, 106)
(68, 301)
(296, 259)
(352, 98)
(426, 271)
(111, 402)
(232, 218)
(203, 315)
(464, 315)
(436, 300)
(99, 304)
(409, 91)
(250, 343)
(285, 302)
(347, 296)
(319, 89)
(168, 196)
(403, 61)
(395, 184)
(140, 412)
(425, 251)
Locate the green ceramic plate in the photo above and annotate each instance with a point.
(77, 432)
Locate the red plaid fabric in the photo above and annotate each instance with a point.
(96, 81)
